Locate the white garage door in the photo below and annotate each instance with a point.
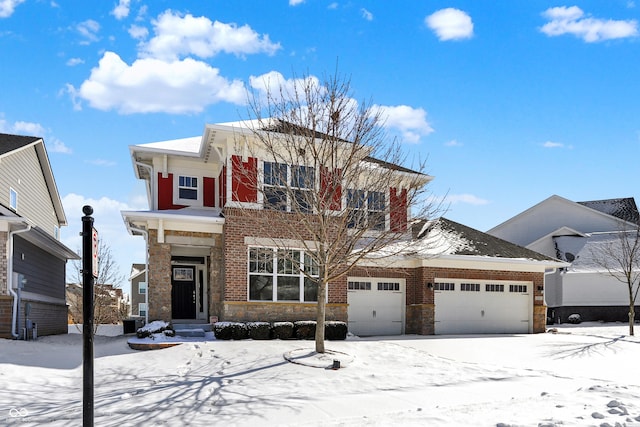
(482, 307)
(376, 306)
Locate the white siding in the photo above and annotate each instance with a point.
(21, 171)
(593, 289)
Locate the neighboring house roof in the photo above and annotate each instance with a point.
(587, 254)
(623, 208)
(10, 143)
(452, 238)
(43, 240)
(137, 270)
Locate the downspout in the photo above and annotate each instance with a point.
(146, 270)
(16, 300)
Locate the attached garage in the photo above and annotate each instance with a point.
(376, 306)
(483, 307)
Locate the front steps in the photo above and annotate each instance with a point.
(190, 330)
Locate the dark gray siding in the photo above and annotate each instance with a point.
(45, 273)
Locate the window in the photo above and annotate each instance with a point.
(518, 288)
(188, 187)
(359, 286)
(142, 288)
(384, 286)
(279, 275)
(444, 286)
(366, 209)
(492, 287)
(13, 199)
(142, 309)
(470, 287)
(301, 181)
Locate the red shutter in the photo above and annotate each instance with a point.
(209, 192)
(165, 193)
(398, 208)
(244, 179)
(331, 188)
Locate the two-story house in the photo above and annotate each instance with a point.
(209, 260)
(138, 280)
(33, 260)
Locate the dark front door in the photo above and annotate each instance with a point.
(183, 292)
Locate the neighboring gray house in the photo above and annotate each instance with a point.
(570, 231)
(33, 260)
(138, 281)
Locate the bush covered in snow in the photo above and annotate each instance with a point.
(259, 330)
(282, 330)
(574, 318)
(304, 330)
(155, 327)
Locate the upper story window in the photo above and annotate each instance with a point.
(188, 187)
(297, 195)
(366, 209)
(13, 199)
(142, 288)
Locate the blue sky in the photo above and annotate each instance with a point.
(509, 101)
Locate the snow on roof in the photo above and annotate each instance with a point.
(623, 208)
(189, 145)
(591, 250)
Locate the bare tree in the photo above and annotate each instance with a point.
(620, 257)
(107, 292)
(331, 184)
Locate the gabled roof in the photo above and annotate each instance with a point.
(11, 143)
(623, 208)
(458, 239)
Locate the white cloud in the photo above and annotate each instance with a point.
(72, 62)
(126, 249)
(295, 2)
(572, 20)
(179, 36)
(28, 128)
(137, 32)
(151, 85)
(53, 144)
(89, 30)
(551, 144)
(7, 7)
(468, 199)
(411, 122)
(332, 6)
(122, 9)
(453, 143)
(102, 162)
(366, 14)
(450, 24)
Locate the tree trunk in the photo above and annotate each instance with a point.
(632, 311)
(320, 314)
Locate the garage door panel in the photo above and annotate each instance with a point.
(493, 308)
(374, 311)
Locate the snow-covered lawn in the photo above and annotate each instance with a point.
(581, 376)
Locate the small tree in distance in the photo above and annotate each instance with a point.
(329, 183)
(105, 293)
(621, 259)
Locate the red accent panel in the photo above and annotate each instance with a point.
(222, 187)
(244, 179)
(398, 208)
(165, 193)
(209, 192)
(331, 188)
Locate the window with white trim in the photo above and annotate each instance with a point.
(142, 288)
(187, 187)
(282, 275)
(366, 209)
(277, 194)
(13, 199)
(388, 286)
(470, 287)
(493, 287)
(518, 288)
(142, 309)
(441, 286)
(359, 286)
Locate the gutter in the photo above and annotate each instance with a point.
(146, 270)
(16, 299)
(151, 177)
